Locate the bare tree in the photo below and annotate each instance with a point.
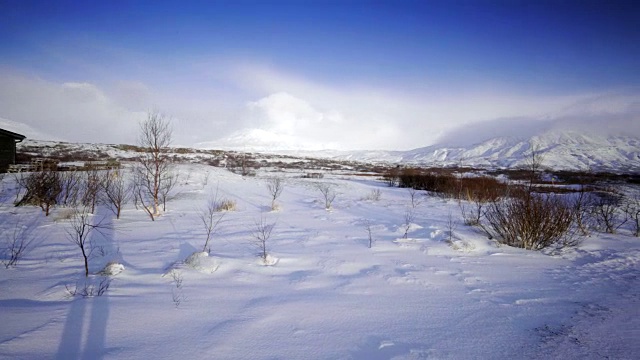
(91, 187)
(261, 233)
(533, 163)
(414, 197)
(168, 183)
(409, 216)
(81, 225)
(275, 186)
(211, 217)
(116, 190)
(154, 164)
(71, 182)
(328, 193)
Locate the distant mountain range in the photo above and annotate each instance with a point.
(560, 149)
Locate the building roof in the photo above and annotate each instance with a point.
(10, 134)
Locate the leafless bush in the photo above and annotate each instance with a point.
(116, 190)
(167, 185)
(42, 189)
(275, 186)
(71, 182)
(472, 212)
(582, 209)
(177, 278)
(177, 297)
(211, 217)
(632, 210)
(16, 245)
(530, 221)
(373, 195)
(368, 227)
(91, 188)
(409, 216)
(89, 287)
(328, 193)
(414, 197)
(261, 234)
(607, 211)
(391, 177)
(451, 227)
(226, 205)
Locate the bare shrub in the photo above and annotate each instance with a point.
(373, 195)
(328, 193)
(42, 189)
(261, 233)
(275, 186)
(414, 198)
(177, 297)
(632, 210)
(530, 221)
(89, 287)
(391, 177)
(582, 204)
(368, 227)
(211, 217)
(116, 190)
(71, 182)
(451, 227)
(167, 185)
(16, 245)
(91, 188)
(226, 205)
(409, 217)
(607, 211)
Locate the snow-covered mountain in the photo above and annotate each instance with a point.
(559, 150)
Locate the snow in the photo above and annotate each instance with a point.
(325, 294)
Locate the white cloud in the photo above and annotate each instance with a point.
(72, 111)
(209, 102)
(360, 117)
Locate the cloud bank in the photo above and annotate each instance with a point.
(208, 107)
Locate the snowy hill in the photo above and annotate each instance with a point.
(559, 150)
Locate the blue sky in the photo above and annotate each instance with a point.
(398, 74)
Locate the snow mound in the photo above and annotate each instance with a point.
(111, 269)
(201, 261)
(269, 261)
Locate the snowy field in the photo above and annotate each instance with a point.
(325, 295)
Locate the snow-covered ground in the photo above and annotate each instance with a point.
(327, 295)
